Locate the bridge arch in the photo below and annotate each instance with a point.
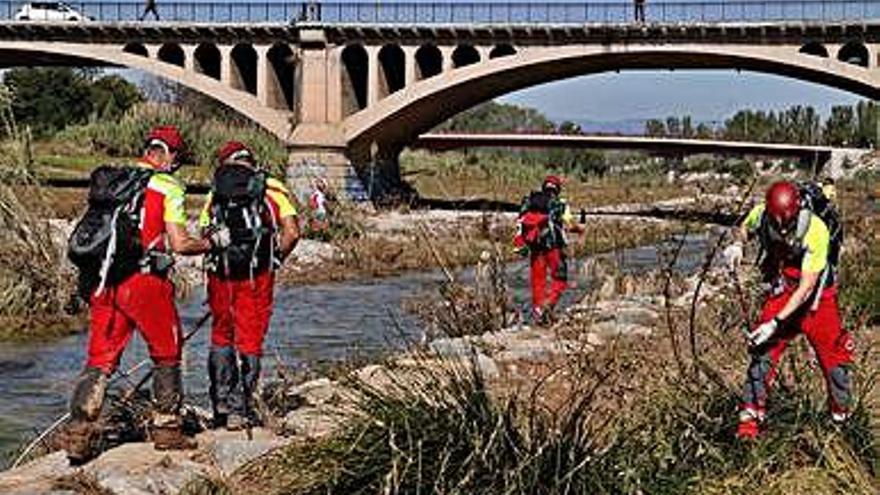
(429, 61)
(208, 60)
(136, 48)
(392, 61)
(465, 55)
(355, 70)
(15, 53)
(814, 48)
(429, 102)
(854, 52)
(244, 62)
(502, 50)
(173, 54)
(281, 59)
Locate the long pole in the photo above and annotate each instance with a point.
(66, 416)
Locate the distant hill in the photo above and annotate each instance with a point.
(628, 127)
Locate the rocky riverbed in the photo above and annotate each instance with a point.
(621, 306)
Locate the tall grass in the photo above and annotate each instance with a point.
(633, 417)
(124, 137)
(35, 286)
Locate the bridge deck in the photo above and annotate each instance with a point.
(449, 141)
(765, 32)
(403, 13)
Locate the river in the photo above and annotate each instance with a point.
(313, 324)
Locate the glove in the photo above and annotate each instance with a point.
(763, 333)
(733, 256)
(220, 237)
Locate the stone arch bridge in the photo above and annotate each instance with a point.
(339, 94)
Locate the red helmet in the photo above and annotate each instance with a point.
(168, 135)
(783, 203)
(235, 152)
(553, 181)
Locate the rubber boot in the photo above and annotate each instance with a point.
(250, 378)
(223, 373)
(167, 431)
(83, 437)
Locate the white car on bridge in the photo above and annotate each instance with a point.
(49, 11)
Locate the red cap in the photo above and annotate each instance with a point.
(553, 181)
(234, 151)
(167, 134)
(783, 202)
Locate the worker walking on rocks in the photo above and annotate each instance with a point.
(122, 247)
(543, 221)
(800, 236)
(263, 227)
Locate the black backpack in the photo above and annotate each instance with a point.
(105, 245)
(815, 200)
(238, 202)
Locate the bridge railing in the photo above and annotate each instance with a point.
(500, 13)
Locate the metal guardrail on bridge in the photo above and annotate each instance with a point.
(518, 12)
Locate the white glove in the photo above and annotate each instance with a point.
(763, 333)
(220, 237)
(733, 256)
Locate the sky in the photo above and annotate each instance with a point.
(709, 95)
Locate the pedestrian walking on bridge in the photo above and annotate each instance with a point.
(149, 8)
(639, 10)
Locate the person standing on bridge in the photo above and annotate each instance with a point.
(639, 10)
(149, 7)
(127, 281)
(264, 230)
(800, 236)
(543, 221)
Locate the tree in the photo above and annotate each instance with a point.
(49, 99)
(704, 131)
(569, 128)
(655, 128)
(673, 127)
(687, 127)
(113, 95)
(840, 128)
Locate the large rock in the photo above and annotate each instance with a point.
(309, 252)
(231, 450)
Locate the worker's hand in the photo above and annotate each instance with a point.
(763, 333)
(733, 256)
(219, 237)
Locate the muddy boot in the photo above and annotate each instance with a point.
(250, 377)
(83, 437)
(223, 372)
(167, 431)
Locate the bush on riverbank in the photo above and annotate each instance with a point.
(34, 285)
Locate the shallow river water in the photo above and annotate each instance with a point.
(323, 323)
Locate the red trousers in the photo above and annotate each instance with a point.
(142, 301)
(832, 344)
(240, 310)
(542, 261)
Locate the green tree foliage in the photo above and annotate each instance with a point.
(840, 126)
(49, 99)
(655, 128)
(499, 117)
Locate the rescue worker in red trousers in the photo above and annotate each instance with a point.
(142, 300)
(264, 230)
(800, 266)
(544, 219)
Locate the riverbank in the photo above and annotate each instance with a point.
(315, 409)
(614, 387)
